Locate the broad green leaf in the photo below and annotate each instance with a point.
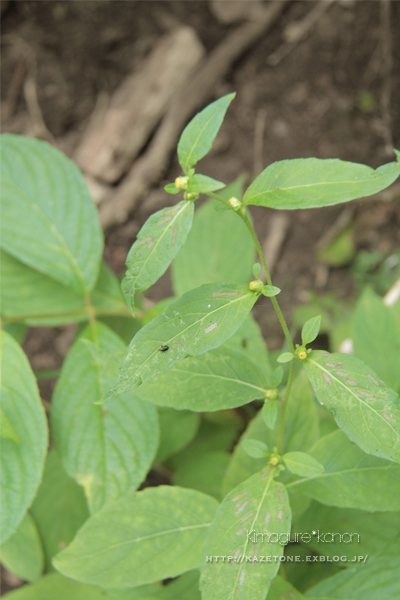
(248, 340)
(107, 450)
(376, 579)
(185, 587)
(363, 406)
(59, 509)
(218, 248)
(314, 182)
(43, 188)
(157, 309)
(44, 301)
(204, 473)
(22, 463)
(198, 136)
(302, 464)
(57, 587)
(310, 330)
(177, 429)
(22, 553)
(258, 505)
(301, 432)
(199, 321)
(255, 448)
(6, 429)
(269, 412)
(376, 337)
(347, 532)
(219, 379)
(118, 545)
(16, 330)
(201, 184)
(283, 590)
(352, 478)
(157, 244)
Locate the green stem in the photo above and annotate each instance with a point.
(284, 404)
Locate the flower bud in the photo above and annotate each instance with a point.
(181, 183)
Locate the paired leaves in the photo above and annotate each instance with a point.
(363, 406)
(258, 505)
(23, 460)
(198, 136)
(313, 182)
(199, 321)
(107, 450)
(157, 244)
(152, 535)
(352, 479)
(64, 239)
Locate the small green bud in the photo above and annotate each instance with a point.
(271, 394)
(235, 203)
(256, 285)
(191, 196)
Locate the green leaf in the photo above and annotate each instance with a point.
(376, 337)
(269, 412)
(6, 429)
(310, 330)
(301, 432)
(270, 291)
(258, 505)
(341, 250)
(285, 357)
(22, 463)
(219, 379)
(218, 248)
(352, 479)
(107, 450)
(157, 244)
(302, 464)
(117, 546)
(363, 406)
(203, 473)
(257, 270)
(198, 136)
(171, 188)
(22, 553)
(354, 534)
(44, 301)
(314, 182)
(64, 239)
(56, 586)
(378, 578)
(254, 448)
(249, 341)
(177, 429)
(283, 590)
(185, 587)
(201, 184)
(199, 321)
(59, 509)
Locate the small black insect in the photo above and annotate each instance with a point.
(163, 348)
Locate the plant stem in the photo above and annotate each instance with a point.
(284, 404)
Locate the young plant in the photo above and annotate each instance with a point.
(167, 401)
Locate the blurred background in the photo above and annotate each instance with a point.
(113, 83)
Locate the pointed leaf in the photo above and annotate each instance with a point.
(64, 238)
(56, 586)
(117, 546)
(269, 412)
(302, 464)
(199, 321)
(201, 184)
(157, 244)
(285, 357)
(59, 509)
(352, 478)
(258, 505)
(22, 463)
(270, 291)
(310, 330)
(363, 406)
(217, 380)
(171, 188)
(22, 553)
(313, 182)
(44, 301)
(107, 450)
(254, 448)
(198, 136)
(218, 248)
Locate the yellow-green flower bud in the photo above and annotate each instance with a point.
(256, 285)
(181, 183)
(235, 203)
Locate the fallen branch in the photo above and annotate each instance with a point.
(148, 169)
